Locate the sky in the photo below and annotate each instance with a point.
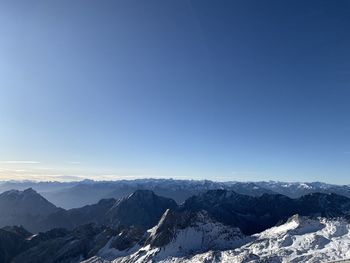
(218, 90)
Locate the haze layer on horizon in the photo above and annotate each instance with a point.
(228, 90)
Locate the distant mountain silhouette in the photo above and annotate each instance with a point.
(86, 192)
(77, 194)
(27, 208)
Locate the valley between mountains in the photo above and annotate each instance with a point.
(212, 225)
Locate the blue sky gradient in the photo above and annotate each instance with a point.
(220, 90)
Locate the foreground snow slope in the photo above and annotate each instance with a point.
(298, 240)
(202, 234)
(178, 235)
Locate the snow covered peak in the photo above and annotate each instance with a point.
(300, 239)
(186, 233)
(172, 223)
(295, 225)
(179, 234)
(195, 237)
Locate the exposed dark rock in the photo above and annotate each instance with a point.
(142, 209)
(255, 214)
(128, 238)
(70, 247)
(12, 242)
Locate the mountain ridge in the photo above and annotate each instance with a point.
(77, 194)
(145, 226)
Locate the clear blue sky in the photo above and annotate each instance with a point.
(221, 90)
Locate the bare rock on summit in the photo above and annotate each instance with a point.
(143, 209)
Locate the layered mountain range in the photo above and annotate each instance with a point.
(211, 226)
(77, 194)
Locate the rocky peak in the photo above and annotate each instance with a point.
(143, 209)
(173, 221)
(25, 208)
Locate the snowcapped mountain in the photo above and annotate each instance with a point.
(300, 239)
(298, 189)
(213, 226)
(213, 221)
(177, 234)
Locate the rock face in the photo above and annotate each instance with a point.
(27, 208)
(15, 240)
(12, 242)
(75, 217)
(142, 209)
(325, 205)
(255, 214)
(17, 230)
(182, 234)
(64, 247)
(165, 231)
(126, 242)
(35, 213)
(300, 239)
(183, 228)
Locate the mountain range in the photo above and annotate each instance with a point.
(77, 194)
(216, 225)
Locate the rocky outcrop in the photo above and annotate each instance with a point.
(142, 209)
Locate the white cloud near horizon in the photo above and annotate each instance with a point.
(20, 162)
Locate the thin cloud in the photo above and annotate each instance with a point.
(21, 162)
(74, 162)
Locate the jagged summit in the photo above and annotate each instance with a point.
(183, 233)
(14, 192)
(143, 208)
(29, 190)
(174, 221)
(28, 197)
